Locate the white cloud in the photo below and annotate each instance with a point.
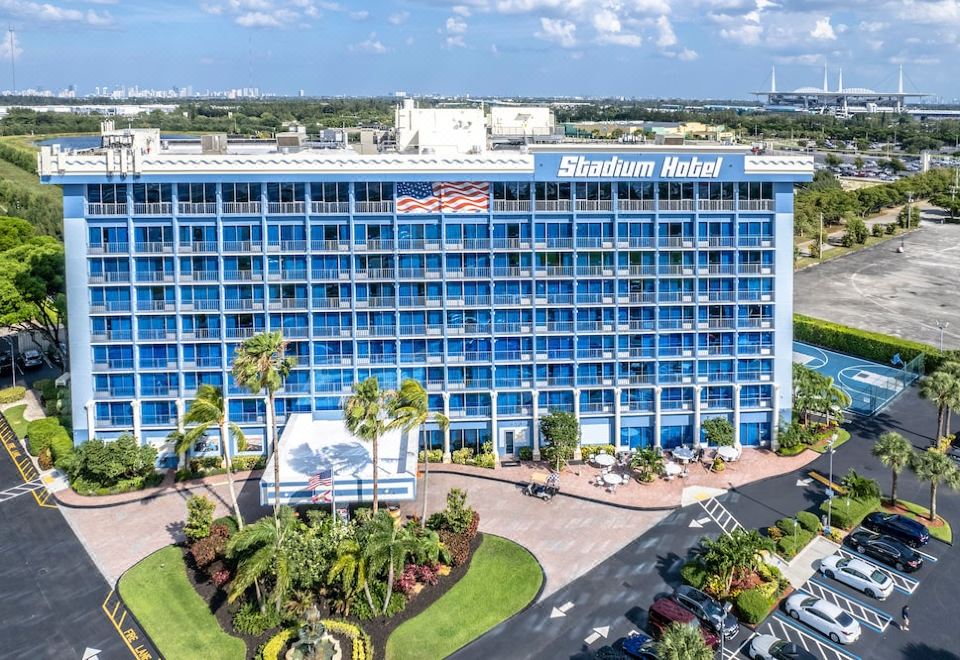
(399, 18)
(823, 30)
(455, 41)
(49, 13)
(606, 21)
(258, 19)
(456, 25)
(10, 47)
(684, 55)
(667, 36)
(746, 34)
(621, 39)
(462, 10)
(558, 30)
(370, 45)
(361, 15)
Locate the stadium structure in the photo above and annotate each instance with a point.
(842, 102)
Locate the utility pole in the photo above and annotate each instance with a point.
(820, 239)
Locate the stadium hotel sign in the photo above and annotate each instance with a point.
(672, 167)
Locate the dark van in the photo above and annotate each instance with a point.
(666, 611)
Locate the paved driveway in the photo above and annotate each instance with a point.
(568, 537)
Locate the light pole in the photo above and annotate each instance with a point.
(13, 360)
(942, 326)
(833, 440)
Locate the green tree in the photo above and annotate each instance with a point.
(682, 642)
(410, 409)
(719, 431)
(367, 417)
(860, 487)
(648, 462)
(937, 468)
(857, 230)
(731, 554)
(941, 388)
(833, 160)
(349, 570)
(261, 365)
(208, 411)
(199, 517)
(261, 551)
(561, 430)
(894, 452)
(858, 162)
(386, 548)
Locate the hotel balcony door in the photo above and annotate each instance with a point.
(508, 437)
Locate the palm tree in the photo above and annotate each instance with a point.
(952, 368)
(936, 467)
(941, 389)
(351, 567)
(208, 410)
(732, 553)
(894, 452)
(366, 415)
(386, 549)
(411, 410)
(261, 549)
(261, 365)
(683, 642)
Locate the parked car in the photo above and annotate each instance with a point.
(886, 549)
(666, 611)
(6, 357)
(708, 610)
(768, 647)
(31, 359)
(858, 574)
(899, 527)
(640, 646)
(824, 617)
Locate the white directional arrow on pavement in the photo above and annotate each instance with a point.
(804, 482)
(565, 607)
(603, 631)
(91, 654)
(556, 613)
(699, 522)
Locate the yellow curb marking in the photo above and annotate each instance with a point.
(130, 635)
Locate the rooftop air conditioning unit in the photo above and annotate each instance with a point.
(288, 141)
(215, 143)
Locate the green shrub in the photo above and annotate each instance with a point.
(12, 394)
(719, 431)
(891, 228)
(45, 433)
(101, 465)
(694, 574)
(248, 462)
(462, 456)
(809, 521)
(861, 343)
(791, 451)
(753, 605)
(362, 644)
(589, 451)
(276, 645)
(877, 230)
(525, 453)
(848, 512)
(361, 608)
(47, 389)
(435, 455)
(199, 518)
(249, 620)
(229, 522)
(484, 460)
(83, 487)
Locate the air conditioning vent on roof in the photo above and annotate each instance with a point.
(215, 143)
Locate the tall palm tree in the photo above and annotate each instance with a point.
(410, 411)
(350, 567)
(936, 467)
(387, 548)
(683, 642)
(367, 416)
(941, 389)
(894, 452)
(952, 368)
(261, 365)
(208, 410)
(261, 549)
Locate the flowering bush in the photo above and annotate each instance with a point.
(428, 574)
(407, 580)
(220, 577)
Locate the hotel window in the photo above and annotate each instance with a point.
(552, 191)
(107, 193)
(285, 192)
(715, 191)
(197, 193)
(373, 192)
(593, 191)
(151, 193)
(755, 190)
(241, 192)
(330, 192)
(675, 191)
(635, 190)
(511, 191)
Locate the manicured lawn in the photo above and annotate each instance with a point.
(920, 513)
(502, 579)
(820, 446)
(15, 417)
(158, 593)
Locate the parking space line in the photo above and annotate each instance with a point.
(784, 628)
(926, 557)
(729, 654)
(868, 615)
(901, 581)
(24, 465)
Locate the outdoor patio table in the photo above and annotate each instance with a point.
(612, 479)
(684, 454)
(672, 469)
(604, 460)
(728, 453)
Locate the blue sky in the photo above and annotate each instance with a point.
(690, 48)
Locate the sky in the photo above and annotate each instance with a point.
(632, 48)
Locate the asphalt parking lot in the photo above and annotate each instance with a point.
(898, 294)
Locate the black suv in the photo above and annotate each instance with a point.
(886, 549)
(708, 610)
(905, 529)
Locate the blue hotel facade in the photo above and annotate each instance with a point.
(645, 290)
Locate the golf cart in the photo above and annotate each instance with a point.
(543, 485)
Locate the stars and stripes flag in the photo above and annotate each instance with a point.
(322, 479)
(443, 197)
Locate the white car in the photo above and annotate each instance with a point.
(768, 647)
(858, 574)
(824, 617)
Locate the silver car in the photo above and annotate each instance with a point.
(858, 574)
(824, 617)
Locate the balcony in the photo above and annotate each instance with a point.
(512, 271)
(716, 324)
(675, 205)
(555, 243)
(646, 270)
(595, 326)
(204, 362)
(294, 332)
(196, 208)
(153, 247)
(511, 243)
(755, 322)
(110, 306)
(241, 208)
(373, 207)
(318, 245)
(109, 248)
(289, 303)
(329, 274)
(716, 241)
(160, 390)
(508, 205)
(716, 269)
(594, 242)
(755, 296)
(374, 274)
(715, 351)
(200, 305)
(552, 205)
(194, 247)
(106, 208)
(325, 208)
(109, 278)
(116, 364)
(154, 276)
(470, 411)
(117, 422)
(755, 349)
(286, 208)
(296, 245)
(419, 273)
(755, 241)
(715, 205)
(244, 247)
(755, 375)
(114, 393)
(243, 276)
(244, 304)
(595, 271)
(676, 405)
(419, 244)
(715, 377)
(755, 269)
(555, 326)
(595, 380)
(514, 411)
(674, 324)
(375, 245)
(594, 205)
(248, 418)
(756, 402)
(675, 269)
(201, 333)
(635, 204)
(157, 363)
(675, 241)
(596, 408)
(152, 208)
(155, 306)
(468, 329)
(152, 334)
(555, 271)
(111, 335)
(473, 384)
(716, 404)
(755, 205)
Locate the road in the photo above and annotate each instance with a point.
(604, 605)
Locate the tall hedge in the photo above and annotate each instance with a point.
(872, 346)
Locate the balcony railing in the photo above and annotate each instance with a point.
(329, 207)
(198, 246)
(153, 247)
(155, 306)
(243, 275)
(243, 304)
(755, 269)
(201, 305)
(595, 242)
(294, 245)
(114, 393)
(755, 402)
(755, 322)
(594, 205)
(286, 208)
(552, 205)
(289, 303)
(118, 364)
(106, 208)
(125, 421)
(110, 306)
(242, 246)
(201, 333)
(755, 241)
(375, 245)
(717, 241)
(470, 411)
(242, 208)
(373, 207)
(111, 335)
(511, 243)
(511, 205)
(514, 411)
(675, 204)
(151, 334)
(196, 208)
(755, 205)
(110, 277)
(154, 276)
(152, 208)
(203, 362)
(676, 241)
(109, 248)
(635, 204)
(322, 245)
(715, 205)
(157, 363)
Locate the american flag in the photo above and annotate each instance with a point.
(445, 197)
(321, 478)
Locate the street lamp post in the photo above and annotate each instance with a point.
(833, 440)
(13, 360)
(942, 326)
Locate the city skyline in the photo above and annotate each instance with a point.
(482, 47)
